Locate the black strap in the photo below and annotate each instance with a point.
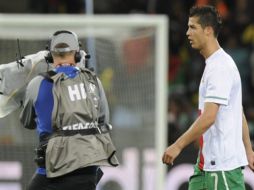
(101, 129)
(92, 131)
(110, 161)
(47, 75)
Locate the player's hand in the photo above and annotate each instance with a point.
(250, 157)
(170, 154)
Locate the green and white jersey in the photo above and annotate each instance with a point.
(221, 145)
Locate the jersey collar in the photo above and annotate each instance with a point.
(211, 57)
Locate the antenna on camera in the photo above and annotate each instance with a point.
(18, 56)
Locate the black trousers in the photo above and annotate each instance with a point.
(82, 179)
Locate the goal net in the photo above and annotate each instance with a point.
(129, 54)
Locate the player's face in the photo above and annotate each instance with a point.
(195, 33)
(64, 59)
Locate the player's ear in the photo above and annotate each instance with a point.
(209, 30)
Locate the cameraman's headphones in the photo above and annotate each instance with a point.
(64, 36)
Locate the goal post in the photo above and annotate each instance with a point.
(132, 49)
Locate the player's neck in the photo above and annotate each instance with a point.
(211, 47)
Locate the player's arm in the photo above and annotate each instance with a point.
(200, 126)
(247, 143)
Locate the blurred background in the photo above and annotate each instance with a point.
(185, 66)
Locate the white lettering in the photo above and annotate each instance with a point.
(67, 127)
(92, 125)
(75, 126)
(79, 126)
(82, 89)
(74, 93)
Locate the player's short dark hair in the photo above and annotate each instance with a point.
(208, 16)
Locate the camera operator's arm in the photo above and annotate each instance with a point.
(103, 103)
(27, 115)
(14, 78)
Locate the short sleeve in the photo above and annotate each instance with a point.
(219, 85)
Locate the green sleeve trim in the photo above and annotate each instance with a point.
(216, 97)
